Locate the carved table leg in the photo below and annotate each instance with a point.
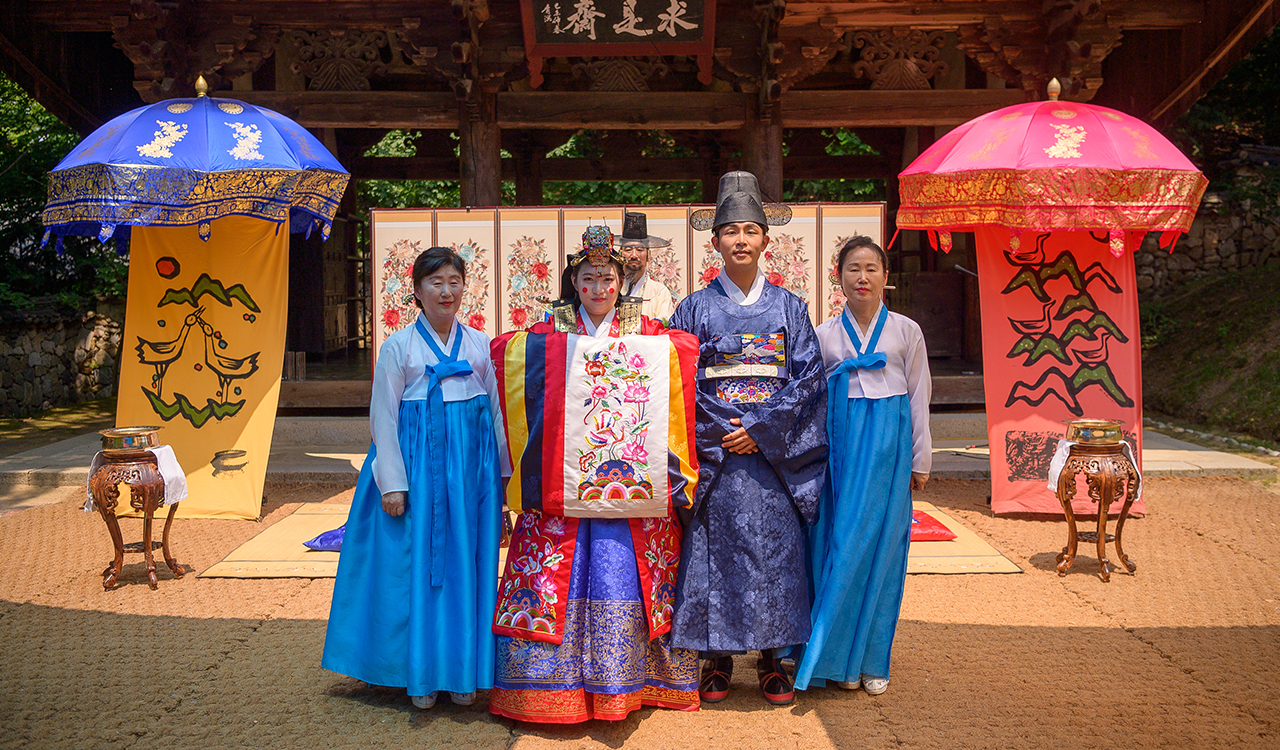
(112, 573)
(148, 513)
(1130, 494)
(1106, 490)
(1066, 492)
(168, 556)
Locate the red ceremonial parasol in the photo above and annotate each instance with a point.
(1059, 317)
(1051, 165)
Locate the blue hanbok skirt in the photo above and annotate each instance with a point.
(388, 625)
(858, 548)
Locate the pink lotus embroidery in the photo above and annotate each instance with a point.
(635, 452)
(637, 361)
(636, 394)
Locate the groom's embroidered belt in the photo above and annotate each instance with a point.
(742, 371)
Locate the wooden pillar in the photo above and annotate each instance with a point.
(762, 153)
(712, 168)
(479, 153)
(529, 157)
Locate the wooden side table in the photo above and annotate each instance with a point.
(136, 469)
(1110, 476)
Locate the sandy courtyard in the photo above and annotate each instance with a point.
(1184, 654)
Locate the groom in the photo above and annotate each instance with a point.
(762, 446)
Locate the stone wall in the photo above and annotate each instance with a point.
(50, 358)
(1216, 243)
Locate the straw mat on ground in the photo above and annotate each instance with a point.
(967, 553)
(277, 551)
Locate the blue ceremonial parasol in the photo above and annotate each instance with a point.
(181, 162)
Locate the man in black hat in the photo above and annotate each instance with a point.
(762, 450)
(634, 243)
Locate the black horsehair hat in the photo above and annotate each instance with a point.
(635, 231)
(739, 200)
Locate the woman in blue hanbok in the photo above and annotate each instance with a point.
(878, 422)
(417, 578)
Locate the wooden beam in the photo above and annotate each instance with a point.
(622, 110)
(407, 168)
(634, 111)
(94, 16)
(51, 96)
(429, 110)
(831, 109)
(536, 110)
(1134, 14)
(1190, 89)
(837, 167)
(682, 169)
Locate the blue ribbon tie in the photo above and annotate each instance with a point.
(838, 382)
(447, 367)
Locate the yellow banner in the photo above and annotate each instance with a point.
(203, 348)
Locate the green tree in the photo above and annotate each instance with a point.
(32, 142)
(1239, 110)
(585, 144)
(840, 142)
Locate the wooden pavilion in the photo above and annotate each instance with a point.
(749, 84)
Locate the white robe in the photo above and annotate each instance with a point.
(658, 303)
(906, 371)
(400, 375)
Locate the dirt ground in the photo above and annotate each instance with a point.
(1186, 653)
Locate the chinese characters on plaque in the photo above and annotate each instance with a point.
(576, 21)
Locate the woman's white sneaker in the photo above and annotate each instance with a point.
(463, 699)
(875, 685)
(850, 685)
(424, 701)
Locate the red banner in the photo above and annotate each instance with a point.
(1060, 341)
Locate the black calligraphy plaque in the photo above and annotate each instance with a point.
(618, 28)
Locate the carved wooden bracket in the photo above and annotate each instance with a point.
(770, 13)
(621, 74)
(339, 59)
(1068, 42)
(472, 64)
(787, 53)
(899, 58)
(806, 49)
(173, 42)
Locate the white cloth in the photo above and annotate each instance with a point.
(906, 371)
(602, 331)
(1059, 462)
(401, 375)
(658, 302)
(749, 297)
(175, 479)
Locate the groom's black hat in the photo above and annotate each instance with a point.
(739, 200)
